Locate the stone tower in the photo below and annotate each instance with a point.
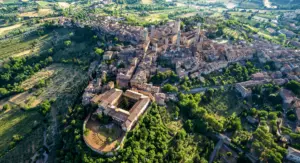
(152, 31)
(178, 39)
(144, 34)
(197, 33)
(176, 28)
(198, 28)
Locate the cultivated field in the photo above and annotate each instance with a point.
(32, 44)
(15, 122)
(9, 28)
(40, 13)
(43, 4)
(60, 79)
(20, 47)
(63, 5)
(63, 86)
(9, 1)
(147, 1)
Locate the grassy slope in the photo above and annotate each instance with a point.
(62, 83)
(14, 122)
(284, 2)
(10, 1)
(18, 46)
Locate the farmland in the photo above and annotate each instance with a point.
(32, 44)
(146, 1)
(40, 13)
(9, 28)
(62, 86)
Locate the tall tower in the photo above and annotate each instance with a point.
(178, 39)
(154, 48)
(166, 41)
(144, 34)
(176, 28)
(198, 28)
(152, 31)
(197, 33)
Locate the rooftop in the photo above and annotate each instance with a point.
(109, 102)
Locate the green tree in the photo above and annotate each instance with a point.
(3, 92)
(6, 107)
(45, 107)
(294, 86)
(169, 88)
(99, 51)
(68, 43)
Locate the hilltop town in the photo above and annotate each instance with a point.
(150, 81)
(193, 56)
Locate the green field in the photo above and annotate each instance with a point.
(10, 1)
(18, 122)
(285, 2)
(43, 4)
(32, 44)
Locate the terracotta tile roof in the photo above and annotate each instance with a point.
(137, 109)
(133, 95)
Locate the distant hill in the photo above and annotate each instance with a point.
(284, 2)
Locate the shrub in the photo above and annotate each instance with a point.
(6, 107)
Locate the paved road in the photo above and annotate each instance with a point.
(216, 150)
(203, 89)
